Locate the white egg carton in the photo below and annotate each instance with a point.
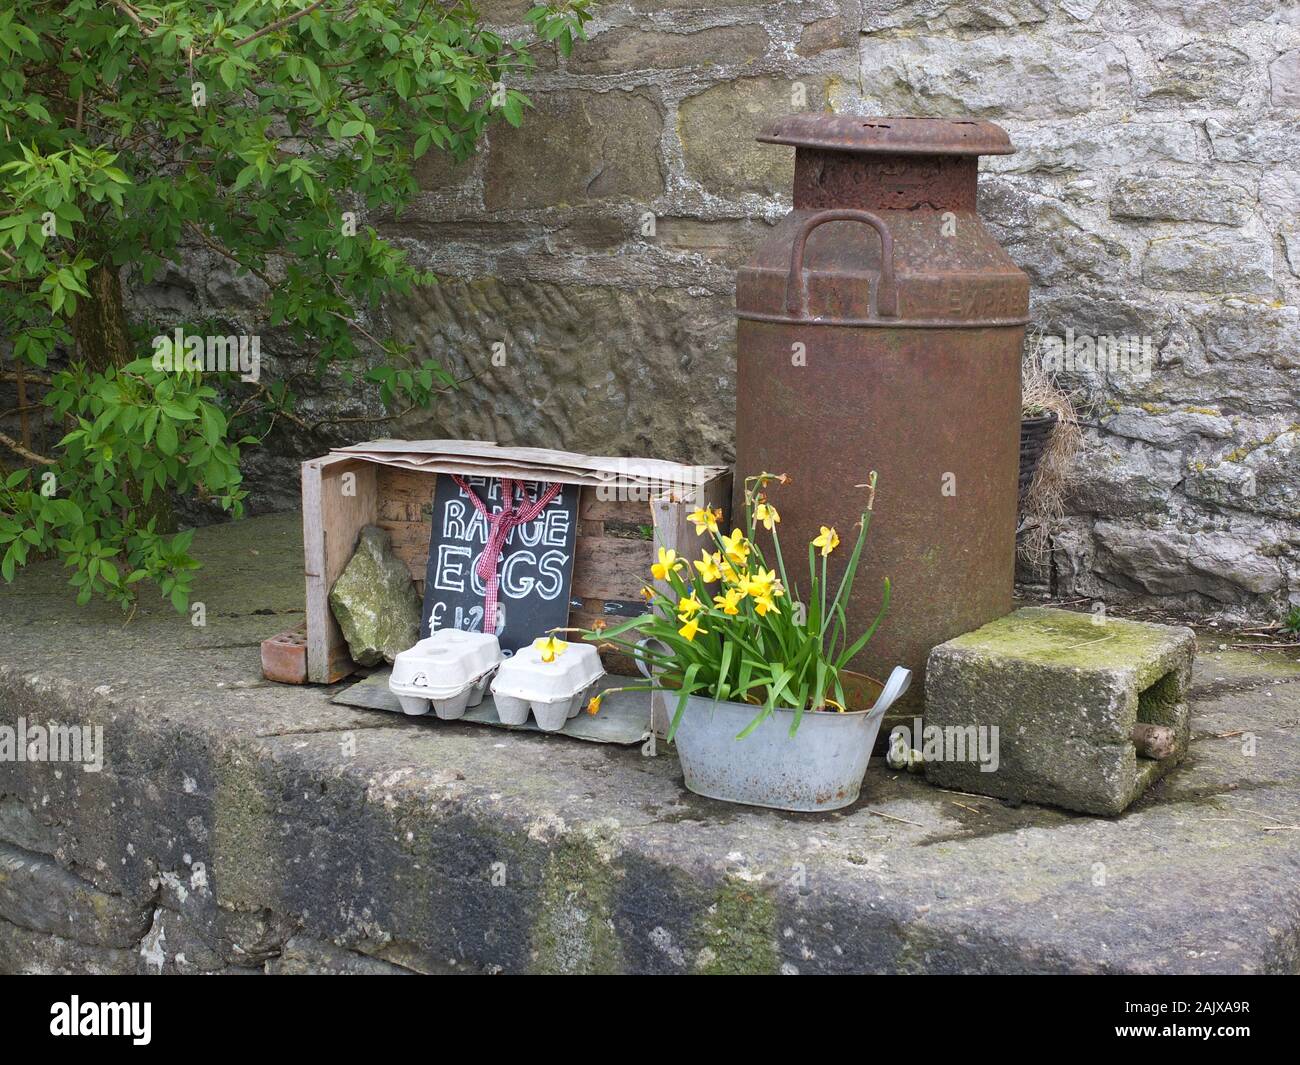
(553, 691)
(448, 671)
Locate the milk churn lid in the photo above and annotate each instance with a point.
(890, 135)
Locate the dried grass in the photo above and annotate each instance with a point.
(1044, 506)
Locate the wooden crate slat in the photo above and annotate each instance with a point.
(338, 501)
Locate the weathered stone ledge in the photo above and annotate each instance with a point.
(239, 826)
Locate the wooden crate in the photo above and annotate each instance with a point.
(342, 494)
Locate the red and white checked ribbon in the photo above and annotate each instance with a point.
(499, 526)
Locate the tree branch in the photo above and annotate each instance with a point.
(271, 27)
(18, 449)
(129, 11)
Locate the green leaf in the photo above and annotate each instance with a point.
(166, 437)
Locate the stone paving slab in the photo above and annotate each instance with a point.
(287, 833)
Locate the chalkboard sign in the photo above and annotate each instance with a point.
(534, 574)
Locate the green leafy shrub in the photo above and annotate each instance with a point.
(259, 131)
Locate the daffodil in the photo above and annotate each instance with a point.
(828, 541)
(762, 582)
(593, 707)
(763, 605)
(703, 518)
(729, 603)
(691, 629)
(766, 515)
(687, 606)
(668, 561)
(735, 547)
(551, 648)
(707, 564)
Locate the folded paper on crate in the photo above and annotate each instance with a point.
(638, 478)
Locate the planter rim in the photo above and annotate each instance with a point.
(784, 709)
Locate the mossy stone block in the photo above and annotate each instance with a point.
(1064, 690)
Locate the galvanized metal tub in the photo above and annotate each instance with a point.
(820, 767)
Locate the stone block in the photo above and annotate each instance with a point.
(1158, 197)
(1284, 79)
(577, 146)
(1201, 71)
(1064, 691)
(39, 894)
(1239, 263)
(994, 76)
(717, 129)
(629, 48)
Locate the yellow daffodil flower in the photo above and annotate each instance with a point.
(735, 547)
(760, 583)
(730, 573)
(551, 648)
(828, 541)
(766, 515)
(668, 561)
(687, 606)
(763, 605)
(703, 518)
(691, 629)
(729, 603)
(593, 707)
(707, 564)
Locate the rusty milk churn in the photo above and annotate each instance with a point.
(880, 327)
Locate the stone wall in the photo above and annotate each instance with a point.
(1154, 195)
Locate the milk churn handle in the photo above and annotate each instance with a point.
(796, 292)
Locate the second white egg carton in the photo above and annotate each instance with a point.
(553, 692)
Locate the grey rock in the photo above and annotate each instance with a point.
(375, 602)
(1157, 196)
(953, 14)
(1201, 71)
(24, 952)
(1284, 79)
(1164, 561)
(1169, 429)
(1254, 142)
(21, 827)
(1263, 477)
(302, 954)
(39, 894)
(1082, 145)
(1115, 479)
(943, 76)
(1241, 263)
(172, 948)
(1064, 690)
